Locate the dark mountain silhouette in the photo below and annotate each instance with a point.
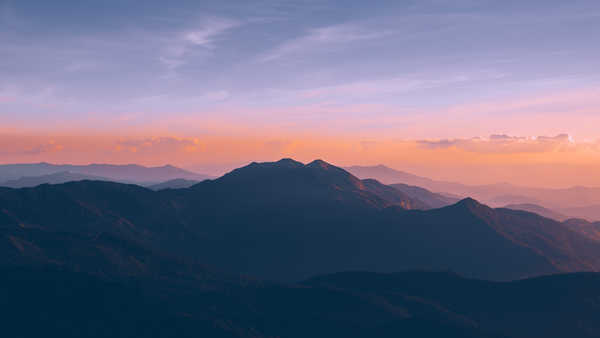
(57, 302)
(432, 199)
(131, 173)
(69, 285)
(551, 306)
(56, 178)
(177, 183)
(105, 259)
(537, 209)
(287, 221)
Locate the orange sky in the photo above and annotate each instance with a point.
(544, 161)
(451, 142)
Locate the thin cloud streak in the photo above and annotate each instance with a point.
(321, 38)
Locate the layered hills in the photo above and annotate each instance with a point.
(286, 221)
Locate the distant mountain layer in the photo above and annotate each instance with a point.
(589, 212)
(534, 208)
(574, 202)
(388, 175)
(286, 221)
(123, 173)
(177, 183)
(57, 178)
(589, 229)
(432, 199)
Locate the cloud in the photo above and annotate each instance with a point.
(504, 144)
(10, 148)
(324, 37)
(368, 89)
(204, 36)
(160, 145)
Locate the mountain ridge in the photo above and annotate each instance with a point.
(318, 219)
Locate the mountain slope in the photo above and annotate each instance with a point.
(432, 199)
(177, 183)
(589, 229)
(552, 306)
(536, 209)
(287, 221)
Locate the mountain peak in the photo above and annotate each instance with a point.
(469, 202)
(290, 163)
(319, 164)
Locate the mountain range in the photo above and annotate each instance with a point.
(288, 221)
(259, 252)
(578, 202)
(536, 209)
(55, 178)
(25, 175)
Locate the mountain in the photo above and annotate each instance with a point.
(58, 303)
(56, 178)
(177, 183)
(396, 196)
(537, 209)
(106, 259)
(580, 202)
(287, 221)
(588, 212)
(589, 229)
(388, 175)
(537, 307)
(69, 285)
(131, 173)
(432, 199)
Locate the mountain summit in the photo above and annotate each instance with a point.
(287, 182)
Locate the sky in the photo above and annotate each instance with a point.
(475, 91)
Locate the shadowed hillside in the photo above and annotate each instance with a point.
(287, 221)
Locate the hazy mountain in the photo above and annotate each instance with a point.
(537, 209)
(574, 201)
(511, 199)
(592, 230)
(286, 221)
(56, 178)
(177, 183)
(123, 173)
(432, 199)
(589, 212)
(395, 196)
(388, 175)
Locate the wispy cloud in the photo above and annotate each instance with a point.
(160, 145)
(505, 144)
(324, 37)
(50, 146)
(204, 36)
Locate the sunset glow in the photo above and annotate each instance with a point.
(412, 87)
